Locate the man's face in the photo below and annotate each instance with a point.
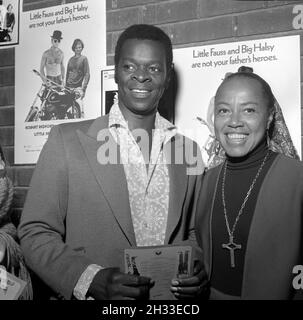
(142, 76)
(55, 42)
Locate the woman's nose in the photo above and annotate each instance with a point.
(235, 120)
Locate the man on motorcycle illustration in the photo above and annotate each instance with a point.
(54, 102)
(52, 66)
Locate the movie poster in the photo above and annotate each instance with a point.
(109, 89)
(9, 22)
(57, 71)
(200, 70)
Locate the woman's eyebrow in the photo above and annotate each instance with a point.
(249, 103)
(222, 103)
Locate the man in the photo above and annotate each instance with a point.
(2, 15)
(104, 185)
(77, 73)
(52, 66)
(10, 19)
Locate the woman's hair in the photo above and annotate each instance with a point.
(9, 5)
(247, 72)
(76, 41)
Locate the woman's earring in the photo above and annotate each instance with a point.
(269, 129)
(217, 147)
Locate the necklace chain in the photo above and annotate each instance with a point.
(231, 232)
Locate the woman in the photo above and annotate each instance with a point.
(248, 221)
(11, 258)
(77, 73)
(10, 18)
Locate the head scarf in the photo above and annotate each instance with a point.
(278, 140)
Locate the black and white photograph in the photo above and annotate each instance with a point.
(57, 75)
(151, 158)
(9, 22)
(109, 90)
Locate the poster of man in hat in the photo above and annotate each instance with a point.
(54, 81)
(52, 62)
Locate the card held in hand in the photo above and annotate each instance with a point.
(161, 264)
(11, 287)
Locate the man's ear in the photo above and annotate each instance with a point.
(169, 76)
(116, 75)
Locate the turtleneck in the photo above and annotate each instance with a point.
(250, 160)
(240, 172)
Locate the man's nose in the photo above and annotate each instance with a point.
(141, 75)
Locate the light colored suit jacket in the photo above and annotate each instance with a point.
(77, 210)
(274, 244)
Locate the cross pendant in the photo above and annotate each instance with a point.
(231, 246)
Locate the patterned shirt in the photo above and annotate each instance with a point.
(148, 188)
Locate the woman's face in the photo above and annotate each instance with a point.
(241, 115)
(78, 48)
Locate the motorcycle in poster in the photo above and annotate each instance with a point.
(54, 102)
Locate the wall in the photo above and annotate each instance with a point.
(188, 22)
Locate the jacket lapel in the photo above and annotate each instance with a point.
(206, 204)
(264, 278)
(110, 177)
(178, 180)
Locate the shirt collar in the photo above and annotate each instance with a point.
(116, 120)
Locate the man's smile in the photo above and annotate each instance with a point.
(140, 93)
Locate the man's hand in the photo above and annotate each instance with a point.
(111, 284)
(2, 251)
(189, 287)
(81, 92)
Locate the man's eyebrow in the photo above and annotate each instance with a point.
(147, 62)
